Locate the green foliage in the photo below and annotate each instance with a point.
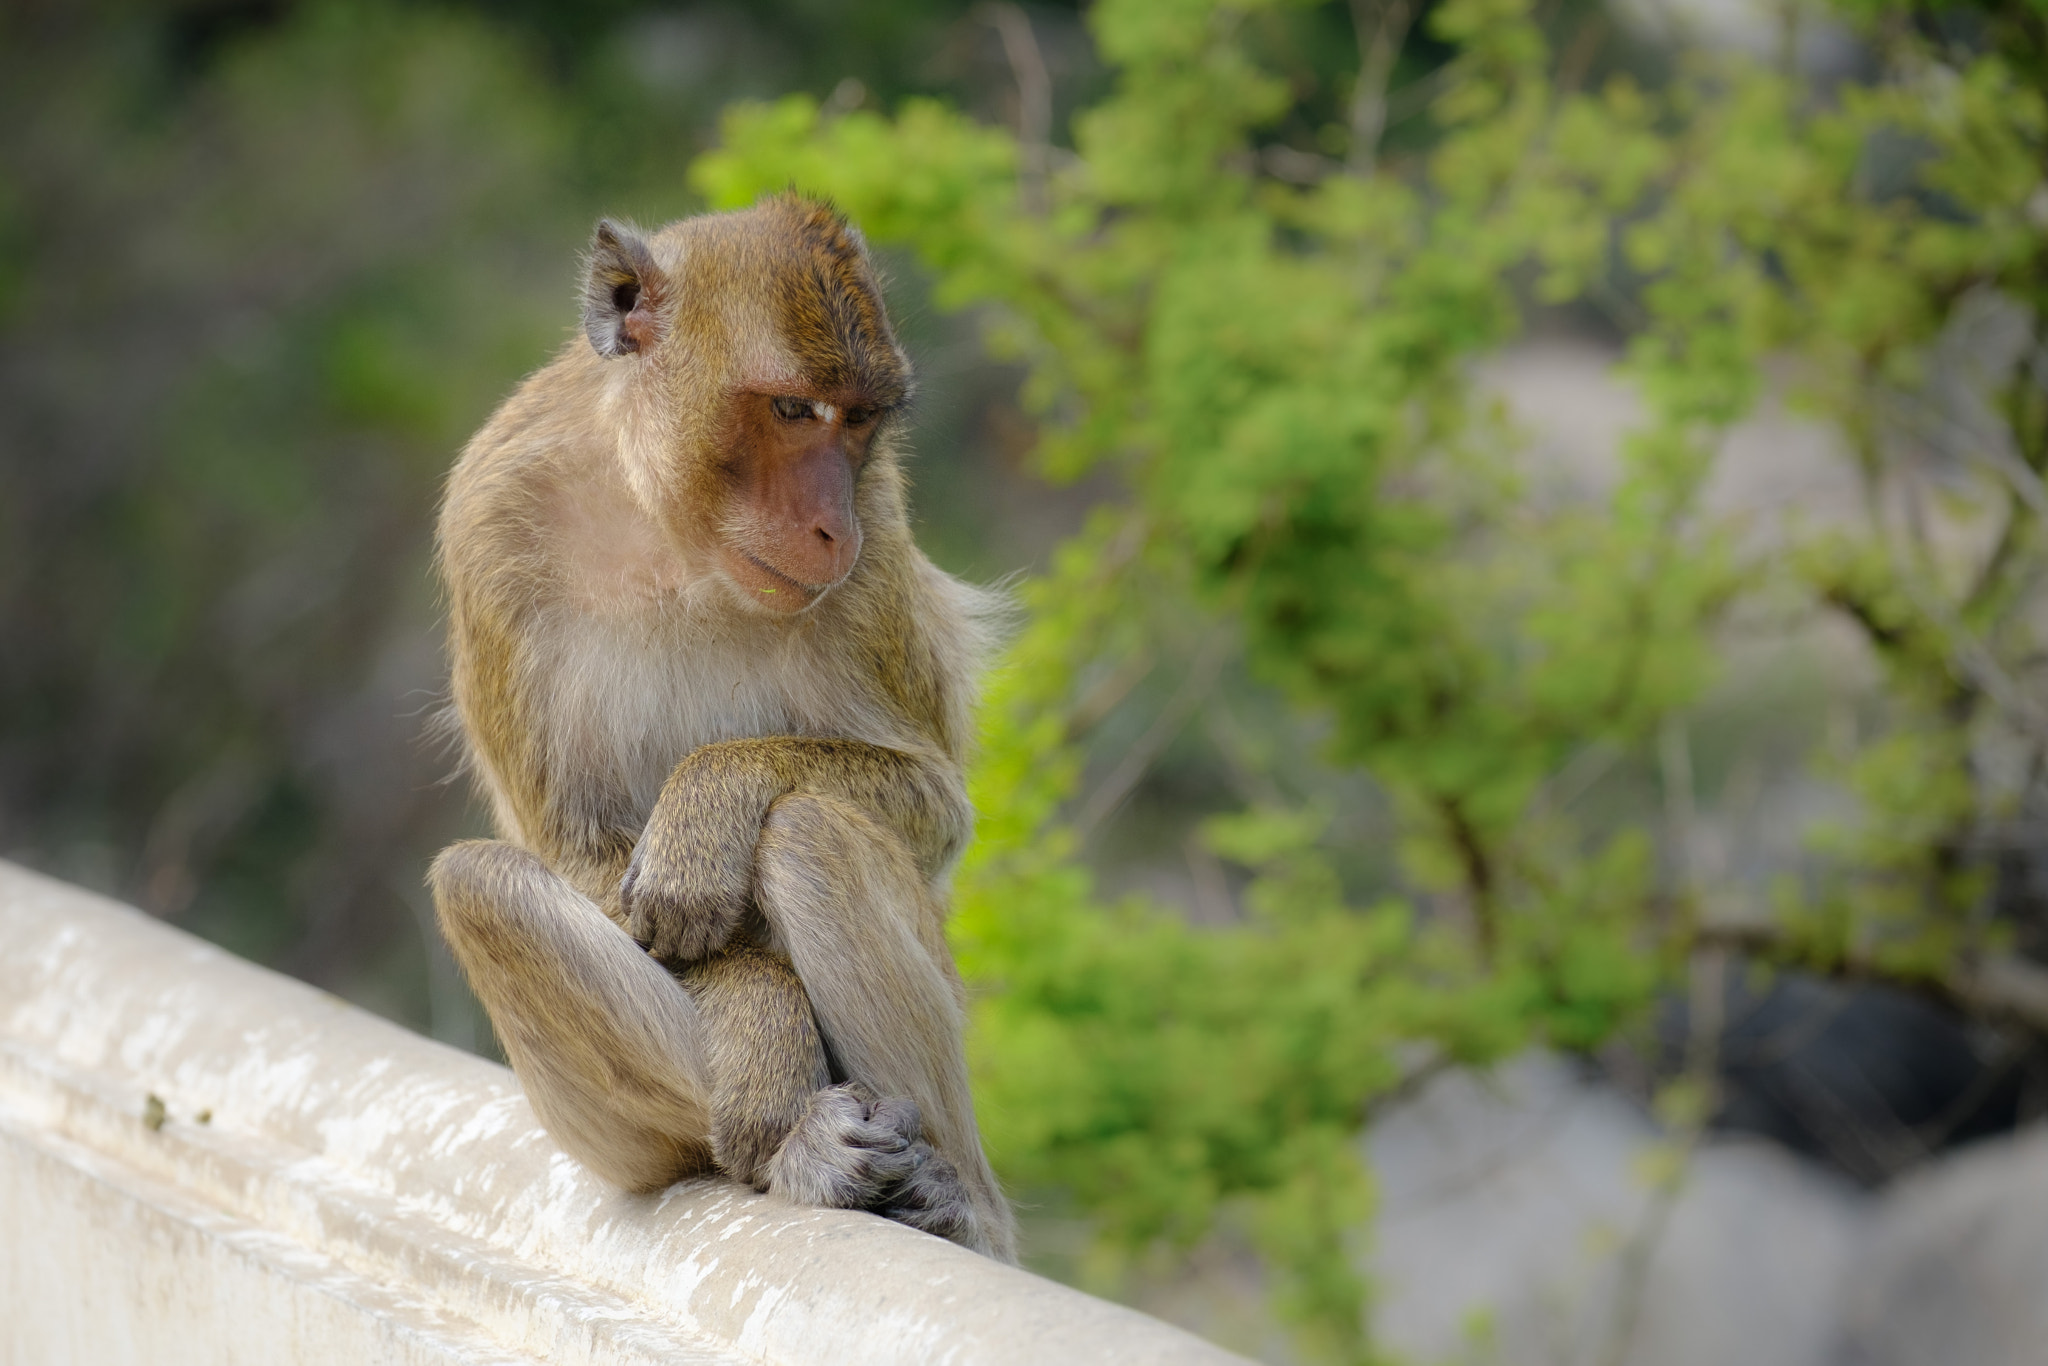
(1280, 374)
(254, 300)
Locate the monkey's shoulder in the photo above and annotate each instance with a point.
(553, 527)
(924, 637)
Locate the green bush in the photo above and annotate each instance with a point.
(1279, 371)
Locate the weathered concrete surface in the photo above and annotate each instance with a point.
(360, 1194)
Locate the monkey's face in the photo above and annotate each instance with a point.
(791, 467)
(762, 340)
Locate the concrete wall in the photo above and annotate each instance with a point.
(205, 1162)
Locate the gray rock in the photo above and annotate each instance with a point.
(1517, 1226)
(1956, 1270)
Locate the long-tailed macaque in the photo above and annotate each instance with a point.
(719, 703)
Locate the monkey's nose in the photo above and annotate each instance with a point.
(821, 553)
(834, 543)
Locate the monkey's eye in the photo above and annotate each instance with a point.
(792, 409)
(859, 417)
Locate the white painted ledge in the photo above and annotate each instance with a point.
(361, 1194)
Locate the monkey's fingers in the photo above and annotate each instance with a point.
(672, 922)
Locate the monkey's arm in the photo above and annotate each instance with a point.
(691, 878)
(582, 829)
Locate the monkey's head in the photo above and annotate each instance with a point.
(752, 370)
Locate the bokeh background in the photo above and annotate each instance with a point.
(267, 266)
(264, 264)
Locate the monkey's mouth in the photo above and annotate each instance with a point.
(804, 593)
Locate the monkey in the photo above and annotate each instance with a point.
(719, 705)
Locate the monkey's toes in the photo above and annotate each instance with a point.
(841, 1156)
(898, 1115)
(934, 1199)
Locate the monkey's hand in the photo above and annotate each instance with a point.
(691, 878)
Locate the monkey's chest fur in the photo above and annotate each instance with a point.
(630, 693)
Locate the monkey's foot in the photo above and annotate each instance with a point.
(847, 1150)
(934, 1199)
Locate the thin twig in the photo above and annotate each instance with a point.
(1130, 770)
(1102, 698)
(1416, 96)
(1971, 659)
(1034, 101)
(1631, 1291)
(1410, 1085)
(1681, 814)
(1708, 992)
(1380, 37)
(1249, 775)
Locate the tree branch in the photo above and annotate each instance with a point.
(1034, 101)
(1999, 986)
(1379, 45)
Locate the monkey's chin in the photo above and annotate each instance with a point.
(767, 589)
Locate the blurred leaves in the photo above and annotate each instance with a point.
(1280, 373)
(263, 267)
(255, 309)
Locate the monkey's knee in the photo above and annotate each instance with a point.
(823, 860)
(494, 901)
(478, 882)
(604, 1041)
(811, 825)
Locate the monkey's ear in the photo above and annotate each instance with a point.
(625, 294)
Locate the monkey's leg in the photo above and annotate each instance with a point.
(767, 1060)
(608, 1046)
(842, 897)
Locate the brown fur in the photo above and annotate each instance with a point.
(689, 729)
(754, 1009)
